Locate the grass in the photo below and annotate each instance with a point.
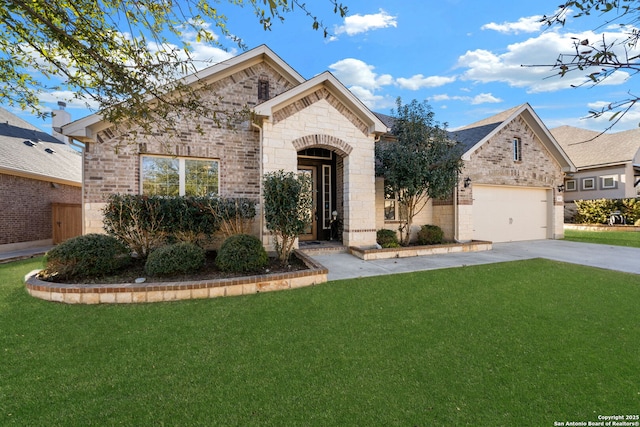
(615, 238)
(526, 343)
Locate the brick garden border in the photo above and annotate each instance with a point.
(174, 291)
(413, 251)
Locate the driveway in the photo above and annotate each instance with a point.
(345, 266)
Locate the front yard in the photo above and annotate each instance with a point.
(616, 238)
(525, 343)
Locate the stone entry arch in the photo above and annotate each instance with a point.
(323, 157)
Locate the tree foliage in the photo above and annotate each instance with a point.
(287, 209)
(602, 57)
(125, 55)
(423, 163)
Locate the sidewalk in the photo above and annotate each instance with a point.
(23, 253)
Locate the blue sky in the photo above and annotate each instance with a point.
(463, 56)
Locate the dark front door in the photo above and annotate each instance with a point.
(320, 164)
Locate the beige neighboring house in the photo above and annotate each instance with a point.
(318, 127)
(37, 172)
(608, 165)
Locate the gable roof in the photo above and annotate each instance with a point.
(330, 82)
(588, 149)
(476, 134)
(82, 130)
(30, 152)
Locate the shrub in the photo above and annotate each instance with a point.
(288, 206)
(598, 211)
(387, 238)
(430, 235)
(241, 253)
(178, 258)
(86, 256)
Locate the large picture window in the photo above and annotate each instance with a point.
(179, 176)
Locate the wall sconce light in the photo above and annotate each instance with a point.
(560, 188)
(467, 182)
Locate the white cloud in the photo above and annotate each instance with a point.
(354, 72)
(483, 98)
(530, 24)
(356, 24)
(529, 64)
(419, 81)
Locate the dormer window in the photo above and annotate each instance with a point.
(263, 90)
(517, 150)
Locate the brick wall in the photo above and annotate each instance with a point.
(113, 165)
(25, 207)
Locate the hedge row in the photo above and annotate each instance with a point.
(598, 211)
(147, 222)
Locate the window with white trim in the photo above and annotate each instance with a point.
(588, 183)
(178, 176)
(517, 149)
(570, 185)
(608, 182)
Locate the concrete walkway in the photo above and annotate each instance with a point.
(345, 266)
(23, 253)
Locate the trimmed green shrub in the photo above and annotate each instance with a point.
(242, 253)
(430, 235)
(387, 238)
(598, 211)
(90, 255)
(179, 258)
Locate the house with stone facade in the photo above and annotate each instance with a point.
(40, 176)
(318, 127)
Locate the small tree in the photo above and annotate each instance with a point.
(422, 163)
(287, 209)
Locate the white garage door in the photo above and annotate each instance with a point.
(506, 214)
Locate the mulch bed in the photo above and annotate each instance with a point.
(208, 272)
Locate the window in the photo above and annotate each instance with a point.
(394, 210)
(517, 150)
(263, 90)
(608, 182)
(570, 185)
(588, 183)
(178, 176)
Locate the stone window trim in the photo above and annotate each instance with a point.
(588, 183)
(571, 185)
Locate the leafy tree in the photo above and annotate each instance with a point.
(126, 55)
(421, 164)
(601, 58)
(287, 209)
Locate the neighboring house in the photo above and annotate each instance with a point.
(37, 171)
(319, 127)
(608, 165)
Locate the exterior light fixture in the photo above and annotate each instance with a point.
(467, 182)
(560, 188)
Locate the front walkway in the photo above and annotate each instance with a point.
(345, 266)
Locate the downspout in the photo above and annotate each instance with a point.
(261, 172)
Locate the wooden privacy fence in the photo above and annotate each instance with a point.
(67, 221)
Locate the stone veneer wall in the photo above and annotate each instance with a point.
(320, 117)
(25, 208)
(493, 164)
(113, 166)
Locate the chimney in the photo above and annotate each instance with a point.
(59, 119)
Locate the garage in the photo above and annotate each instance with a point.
(506, 214)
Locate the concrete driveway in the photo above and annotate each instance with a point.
(345, 266)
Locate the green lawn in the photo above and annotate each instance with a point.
(525, 343)
(616, 238)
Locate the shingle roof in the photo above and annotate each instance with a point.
(470, 135)
(27, 150)
(588, 148)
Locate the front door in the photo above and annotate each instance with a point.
(311, 233)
